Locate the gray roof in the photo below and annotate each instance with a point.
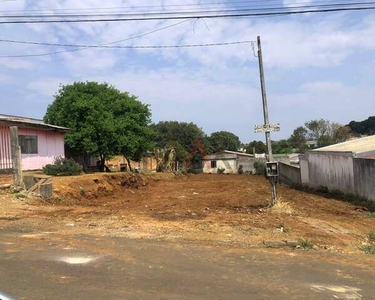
(30, 123)
(226, 154)
(362, 145)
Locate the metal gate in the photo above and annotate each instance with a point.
(5, 149)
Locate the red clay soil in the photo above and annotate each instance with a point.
(215, 208)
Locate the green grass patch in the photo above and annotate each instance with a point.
(305, 244)
(21, 196)
(82, 191)
(370, 249)
(371, 235)
(371, 215)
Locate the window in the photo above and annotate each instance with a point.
(213, 164)
(28, 144)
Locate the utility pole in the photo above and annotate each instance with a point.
(264, 99)
(272, 167)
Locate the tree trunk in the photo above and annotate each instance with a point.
(102, 163)
(129, 164)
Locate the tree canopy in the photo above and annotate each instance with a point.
(105, 121)
(366, 127)
(172, 131)
(298, 138)
(259, 146)
(223, 140)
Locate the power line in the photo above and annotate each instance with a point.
(145, 47)
(162, 13)
(198, 15)
(201, 4)
(182, 10)
(87, 47)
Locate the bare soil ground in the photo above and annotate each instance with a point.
(203, 208)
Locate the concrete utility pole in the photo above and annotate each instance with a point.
(264, 99)
(272, 167)
(16, 157)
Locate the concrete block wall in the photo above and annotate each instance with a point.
(289, 174)
(333, 170)
(339, 171)
(364, 177)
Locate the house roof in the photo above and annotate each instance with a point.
(362, 145)
(30, 123)
(226, 154)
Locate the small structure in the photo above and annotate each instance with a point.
(228, 160)
(40, 143)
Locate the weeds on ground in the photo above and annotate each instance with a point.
(338, 195)
(369, 249)
(282, 207)
(371, 235)
(371, 215)
(82, 191)
(305, 244)
(20, 196)
(220, 170)
(61, 199)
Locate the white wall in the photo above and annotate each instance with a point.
(230, 166)
(333, 170)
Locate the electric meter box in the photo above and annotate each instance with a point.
(272, 169)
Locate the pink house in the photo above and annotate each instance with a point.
(40, 143)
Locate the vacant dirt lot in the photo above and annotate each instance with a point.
(211, 208)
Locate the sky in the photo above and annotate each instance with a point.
(316, 66)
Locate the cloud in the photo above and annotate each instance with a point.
(47, 86)
(311, 67)
(189, 96)
(5, 78)
(332, 100)
(16, 64)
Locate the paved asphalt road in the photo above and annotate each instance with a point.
(39, 266)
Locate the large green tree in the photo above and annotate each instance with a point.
(223, 140)
(259, 146)
(281, 147)
(299, 138)
(184, 133)
(105, 121)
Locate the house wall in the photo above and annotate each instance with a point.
(248, 163)
(333, 170)
(289, 174)
(5, 152)
(230, 166)
(50, 145)
(364, 177)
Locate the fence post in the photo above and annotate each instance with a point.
(16, 157)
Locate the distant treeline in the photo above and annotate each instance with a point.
(366, 127)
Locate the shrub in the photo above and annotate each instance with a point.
(63, 167)
(371, 235)
(369, 249)
(220, 170)
(305, 244)
(260, 167)
(371, 215)
(240, 169)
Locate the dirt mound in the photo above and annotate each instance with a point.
(86, 189)
(224, 208)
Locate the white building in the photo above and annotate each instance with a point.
(228, 160)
